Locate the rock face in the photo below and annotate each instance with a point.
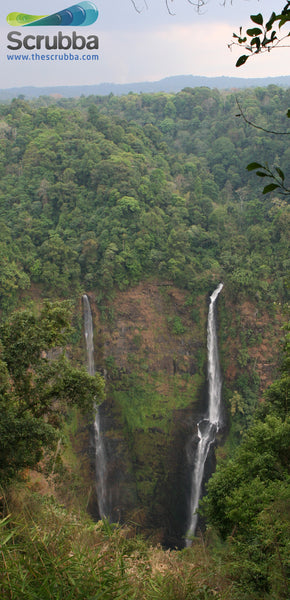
(151, 346)
(153, 355)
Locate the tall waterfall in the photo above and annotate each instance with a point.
(209, 425)
(101, 474)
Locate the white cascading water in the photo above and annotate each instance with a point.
(209, 425)
(101, 474)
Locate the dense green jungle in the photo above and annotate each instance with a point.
(144, 203)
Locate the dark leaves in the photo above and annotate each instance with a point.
(253, 32)
(241, 61)
(257, 39)
(280, 173)
(257, 19)
(276, 175)
(270, 187)
(262, 174)
(254, 165)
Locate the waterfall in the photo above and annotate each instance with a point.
(101, 474)
(209, 425)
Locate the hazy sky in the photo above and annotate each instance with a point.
(144, 46)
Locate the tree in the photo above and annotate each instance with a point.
(263, 37)
(37, 385)
(248, 496)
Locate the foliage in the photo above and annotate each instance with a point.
(276, 174)
(57, 556)
(248, 497)
(264, 37)
(103, 194)
(48, 553)
(37, 384)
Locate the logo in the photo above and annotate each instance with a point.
(82, 14)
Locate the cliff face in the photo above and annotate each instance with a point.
(153, 354)
(252, 341)
(152, 348)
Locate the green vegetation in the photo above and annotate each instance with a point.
(105, 191)
(49, 552)
(266, 36)
(102, 194)
(36, 388)
(143, 407)
(248, 499)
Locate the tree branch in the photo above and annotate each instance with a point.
(262, 37)
(198, 4)
(242, 114)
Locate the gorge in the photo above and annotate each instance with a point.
(146, 452)
(158, 381)
(145, 203)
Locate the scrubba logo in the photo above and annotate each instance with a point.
(83, 14)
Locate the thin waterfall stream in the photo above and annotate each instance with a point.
(100, 459)
(209, 425)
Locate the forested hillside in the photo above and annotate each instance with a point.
(144, 203)
(107, 191)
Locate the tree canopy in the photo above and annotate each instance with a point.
(105, 191)
(248, 496)
(37, 385)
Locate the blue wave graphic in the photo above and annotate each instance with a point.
(84, 14)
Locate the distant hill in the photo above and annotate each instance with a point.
(168, 84)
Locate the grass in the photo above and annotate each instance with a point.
(50, 553)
